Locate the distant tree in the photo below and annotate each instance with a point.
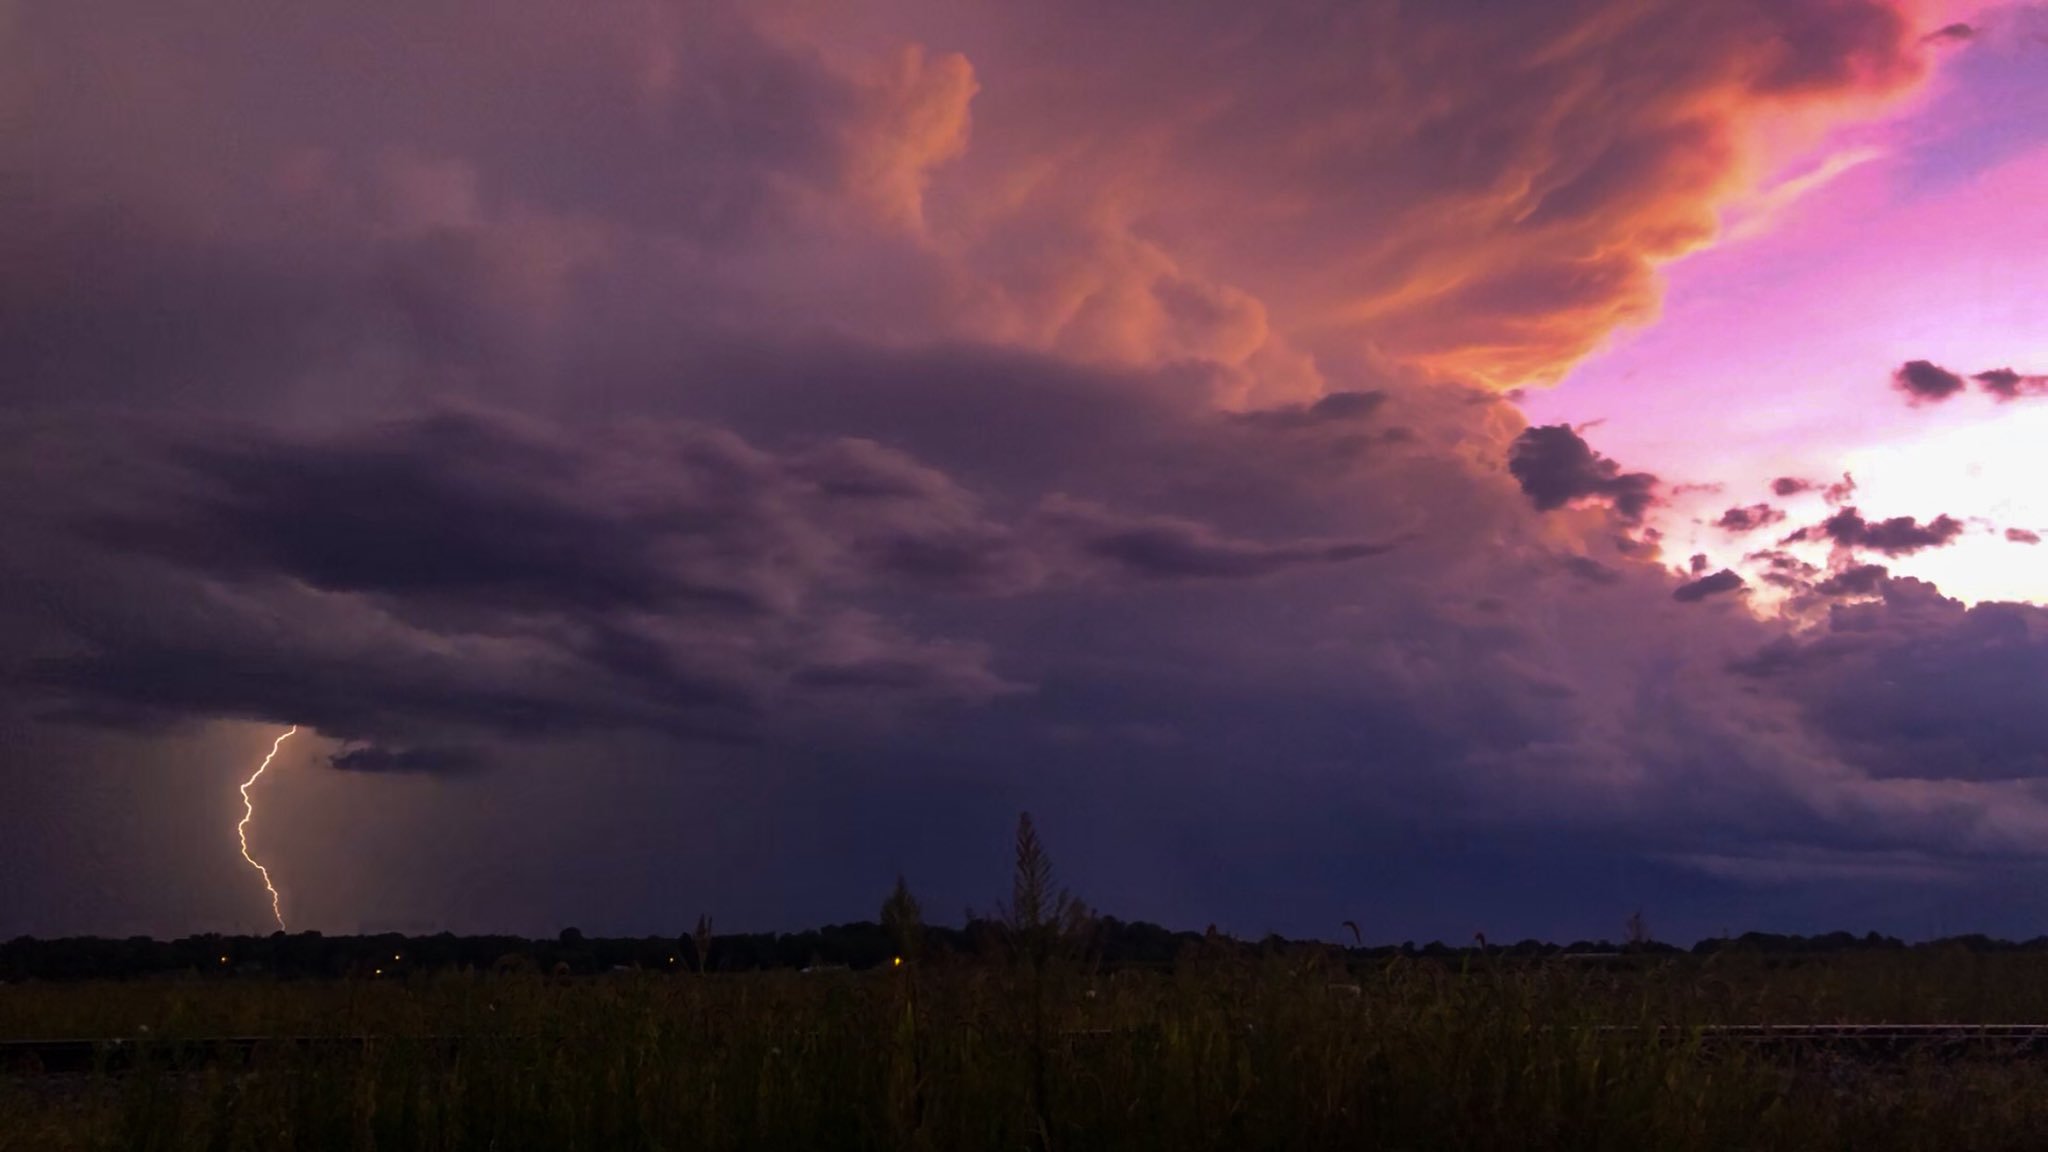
(702, 939)
(903, 920)
(570, 938)
(1040, 919)
(1636, 929)
(1040, 925)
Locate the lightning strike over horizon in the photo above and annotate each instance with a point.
(249, 813)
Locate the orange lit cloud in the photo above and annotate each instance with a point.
(1485, 193)
(1481, 191)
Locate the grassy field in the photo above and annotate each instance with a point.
(1288, 1050)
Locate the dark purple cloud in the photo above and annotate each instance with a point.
(1923, 381)
(1854, 580)
(430, 760)
(453, 507)
(1926, 382)
(1335, 408)
(2022, 536)
(1897, 536)
(1791, 486)
(1592, 571)
(2006, 384)
(670, 575)
(1713, 585)
(469, 569)
(1555, 467)
(1784, 570)
(1749, 518)
(1169, 548)
(1916, 685)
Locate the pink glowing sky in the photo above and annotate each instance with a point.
(1919, 239)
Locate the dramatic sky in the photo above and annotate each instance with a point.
(1451, 466)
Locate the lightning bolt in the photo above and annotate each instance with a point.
(249, 813)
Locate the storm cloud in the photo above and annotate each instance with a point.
(1854, 580)
(1923, 381)
(1896, 536)
(2006, 384)
(1749, 518)
(850, 424)
(1712, 585)
(1917, 685)
(1556, 467)
(440, 761)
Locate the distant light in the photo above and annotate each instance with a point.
(396, 956)
(223, 959)
(378, 972)
(895, 961)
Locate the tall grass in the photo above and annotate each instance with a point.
(1289, 1050)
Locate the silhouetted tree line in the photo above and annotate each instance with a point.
(1106, 942)
(311, 955)
(1039, 928)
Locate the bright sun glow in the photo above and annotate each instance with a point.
(1985, 465)
(1992, 472)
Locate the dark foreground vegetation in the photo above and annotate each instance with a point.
(1021, 1036)
(1291, 1049)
